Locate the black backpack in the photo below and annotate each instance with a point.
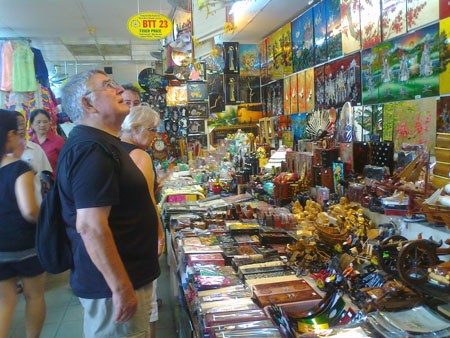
(52, 243)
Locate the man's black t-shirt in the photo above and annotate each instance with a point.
(90, 177)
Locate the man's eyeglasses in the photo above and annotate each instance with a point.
(153, 129)
(110, 84)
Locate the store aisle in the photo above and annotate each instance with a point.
(64, 312)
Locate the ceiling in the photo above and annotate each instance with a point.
(95, 31)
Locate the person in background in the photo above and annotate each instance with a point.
(131, 95)
(34, 156)
(108, 210)
(18, 215)
(44, 136)
(138, 130)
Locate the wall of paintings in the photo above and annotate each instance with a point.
(366, 52)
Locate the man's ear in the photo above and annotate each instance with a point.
(87, 105)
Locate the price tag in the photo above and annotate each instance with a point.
(150, 26)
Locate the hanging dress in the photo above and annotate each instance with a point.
(23, 74)
(7, 66)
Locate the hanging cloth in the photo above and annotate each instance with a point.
(7, 66)
(40, 68)
(23, 75)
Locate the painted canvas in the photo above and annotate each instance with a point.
(443, 115)
(351, 26)
(249, 60)
(287, 96)
(343, 81)
(320, 33)
(303, 41)
(370, 23)
(421, 12)
(334, 30)
(309, 90)
(426, 70)
(298, 122)
(294, 91)
(444, 9)
(280, 52)
(393, 18)
(414, 122)
(249, 89)
(444, 75)
(319, 87)
(370, 73)
(388, 121)
(301, 91)
(263, 53)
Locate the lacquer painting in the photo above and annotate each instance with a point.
(301, 91)
(320, 33)
(334, 30)
(303, 41)
(287, 96)
(393, 18)
(294, 91)
(444, 75)
(421, 12)
(263, 53)
(298, 126)
(370, 73)
(280, 53)
(425, 70)
(351, 26)
(249, 60)
(309, 90)
(414, 122)
(319, 87)
(370, 23)
(443, 115)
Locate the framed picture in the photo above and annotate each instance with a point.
(202, 139)
(198, 109)
(231, 57)
(196, 126)
(231, 86)
(221, 132)
(176, 95)
(197, 91)
(216, 102)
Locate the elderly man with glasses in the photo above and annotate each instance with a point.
(108, 210)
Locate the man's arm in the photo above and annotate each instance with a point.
(92, 224)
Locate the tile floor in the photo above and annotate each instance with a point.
(64, 313)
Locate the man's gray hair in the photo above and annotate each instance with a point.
(140, 116)
(73, 91)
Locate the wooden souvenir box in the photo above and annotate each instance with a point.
(283, 292)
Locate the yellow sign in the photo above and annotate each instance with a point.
(150, 26)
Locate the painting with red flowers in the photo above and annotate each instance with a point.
(320, 33)
(263, 54)
(294, 91)
(303, 41)
(421, 12)
(443, 115)
(414, 122)
(444, 9)
(370, 23)
(334, 31)
(351, 26)
(301, 92)
(287, 96)
(319, 87)
(393, 18)
(309, 90)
